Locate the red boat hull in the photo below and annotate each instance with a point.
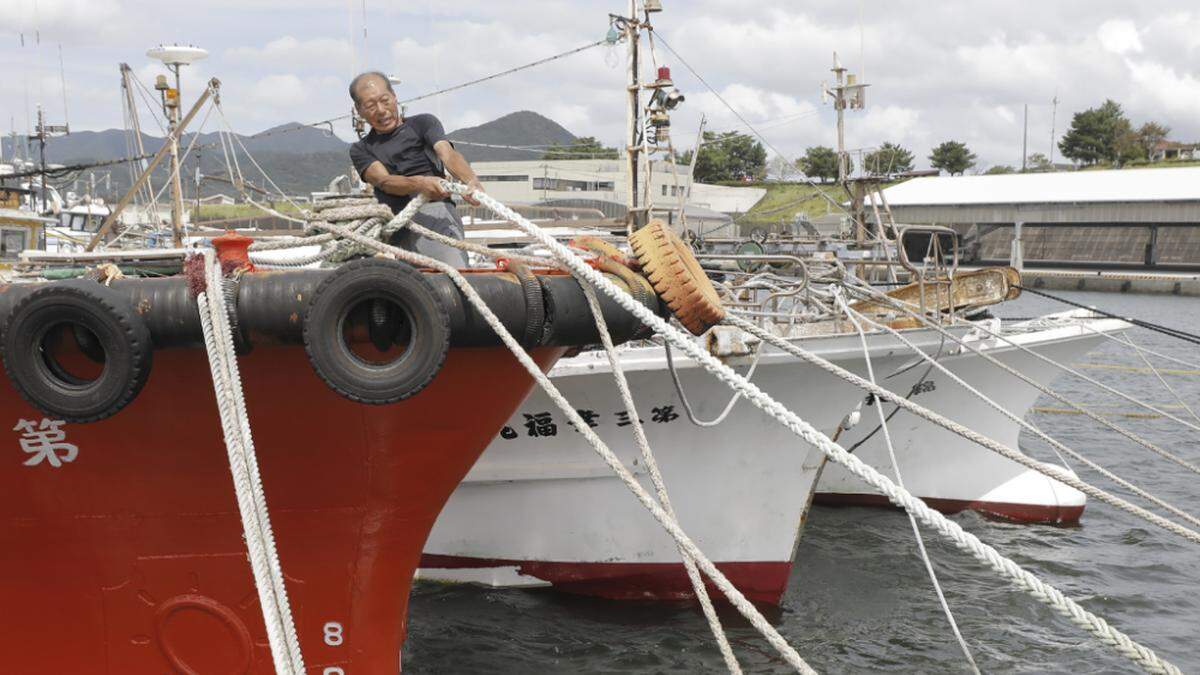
(1048, 514)
(129, 557)
(760, 581)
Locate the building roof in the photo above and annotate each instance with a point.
(1067, 187)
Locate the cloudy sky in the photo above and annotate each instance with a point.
(960, 70)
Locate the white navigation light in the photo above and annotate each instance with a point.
(177, 55)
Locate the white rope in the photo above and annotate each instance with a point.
(736, 598)
(660, 487)
(912, 520)
(1141, 655)
(892, 302)
(687, 406)
(1054, 443)
(243, 464)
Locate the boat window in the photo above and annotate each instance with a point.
(12, 242)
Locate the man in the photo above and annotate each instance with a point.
(403, 157)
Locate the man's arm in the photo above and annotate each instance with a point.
(458, 167)
(377, 175)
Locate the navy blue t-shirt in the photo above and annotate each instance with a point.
(406, 150)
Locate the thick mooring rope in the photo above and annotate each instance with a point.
(903, 307)
(1045, 593)
(660, 487)
(247, 483)
(912, 520)
(1053, 442)
(735, 597)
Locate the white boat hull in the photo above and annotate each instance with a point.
(544, 510)
(951, 473)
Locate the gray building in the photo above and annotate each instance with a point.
(1136, 217)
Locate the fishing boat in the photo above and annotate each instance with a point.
(539, 508)
(951, 473)
(123, 546)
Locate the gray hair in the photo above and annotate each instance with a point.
(362, 76)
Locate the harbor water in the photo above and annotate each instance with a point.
(859, 599)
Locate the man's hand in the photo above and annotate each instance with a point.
(432, 188)
(472, 186)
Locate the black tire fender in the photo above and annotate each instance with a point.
(426, 329)
(115, 333)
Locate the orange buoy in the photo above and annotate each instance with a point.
(677, 277)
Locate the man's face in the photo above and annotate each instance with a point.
(377, 105)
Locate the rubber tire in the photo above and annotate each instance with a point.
(331, 358)
(120, 332)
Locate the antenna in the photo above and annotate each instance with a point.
(1053, 119)
(62, 73)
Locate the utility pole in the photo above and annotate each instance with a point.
(846, 92)
(1053, 116)
(1025, 142)
(695, 154)
(633, 36)
(45, 131)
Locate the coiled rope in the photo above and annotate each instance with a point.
(247, 482)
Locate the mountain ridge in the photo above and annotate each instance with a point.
(300, 158)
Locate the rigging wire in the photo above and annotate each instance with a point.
(836, 204)
(1157, 328)
(510, 71)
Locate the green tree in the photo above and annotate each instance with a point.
(952, 157)
(1150, 135)
(889, 159)
(1038, 163)
(728, 156)
(1098, 134)
(586, 147)
(821, 162)
(999, 169)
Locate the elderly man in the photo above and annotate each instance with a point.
(402, 157)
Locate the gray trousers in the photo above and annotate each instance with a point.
(441, 217)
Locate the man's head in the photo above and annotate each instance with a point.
(375, 100)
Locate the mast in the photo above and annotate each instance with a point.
(633, 147)
(171, 103)
(174, 57)
(847, 92)
(136, 127)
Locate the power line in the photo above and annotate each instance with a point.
(59, 171)
(719, 97)
(510, 71)
(331, 120)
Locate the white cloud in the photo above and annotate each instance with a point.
(1119, 36)
(1168, 91)
(326, 54)
(961, 70)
